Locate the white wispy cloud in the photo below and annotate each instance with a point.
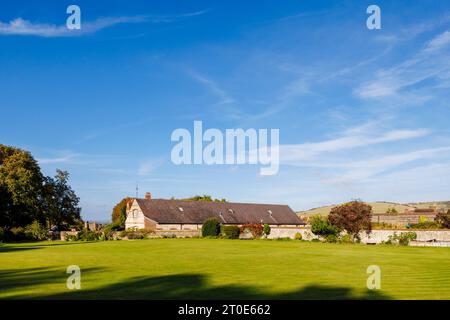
(56, 160)
(149, 166)
(23, 27)
(296, 153)
(429, 62)
(213, 87)
(438, 42)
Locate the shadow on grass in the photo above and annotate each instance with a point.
(38, 245)
(19, 279)
(183, 286)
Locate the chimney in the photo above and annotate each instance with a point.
(148, 196)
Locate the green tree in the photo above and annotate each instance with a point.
(391, 211)
(20, 187)
(211, 227)
(443, 219)
(352, 217)
(61, 203)
(204, 197)
(119, 213)
(266, 229)
(321, 227)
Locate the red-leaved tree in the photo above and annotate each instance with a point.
(353, 217)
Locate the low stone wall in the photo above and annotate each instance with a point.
(430, 244)
(290, 232)
(378, 236)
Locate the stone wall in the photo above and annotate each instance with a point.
(401, 219)
(378, 236)
(290, 232)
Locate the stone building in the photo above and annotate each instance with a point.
(185, 218)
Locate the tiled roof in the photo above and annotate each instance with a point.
(196, 212)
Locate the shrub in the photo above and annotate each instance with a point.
(331, 238)
(284, 239)
(169, 236)
(211, 227)
(255, 228)
(266, 229)
(88, 235)
(35, 231)
(231, 232)
(406, 237)
(403, 239)
(346, 238)
(384, 225)
(134, 234)
(425, 225)
(322, 227)
(443, 219)
(298, 236)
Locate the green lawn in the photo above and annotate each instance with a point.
(209, 268)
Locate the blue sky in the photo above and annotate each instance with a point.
(362, 113)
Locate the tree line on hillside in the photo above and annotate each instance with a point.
(29, 199)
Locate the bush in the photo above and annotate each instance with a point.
(403, 239)
(322, 227)
(266, 229)
(425, 225)
(211, 227)
(443, 219)
(134, 234)
(255, 228)
(169, 236)
(346, 238)
(230, 232)
(87, 235)
(385, 225)
(331, 238)
(298, 236)
(35, 231)
(283, 239)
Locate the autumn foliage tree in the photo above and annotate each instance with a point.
(119, 213)
(353, 217)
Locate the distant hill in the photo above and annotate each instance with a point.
(382, 207)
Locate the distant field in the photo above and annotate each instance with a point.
(216, 269)
(381, 207)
